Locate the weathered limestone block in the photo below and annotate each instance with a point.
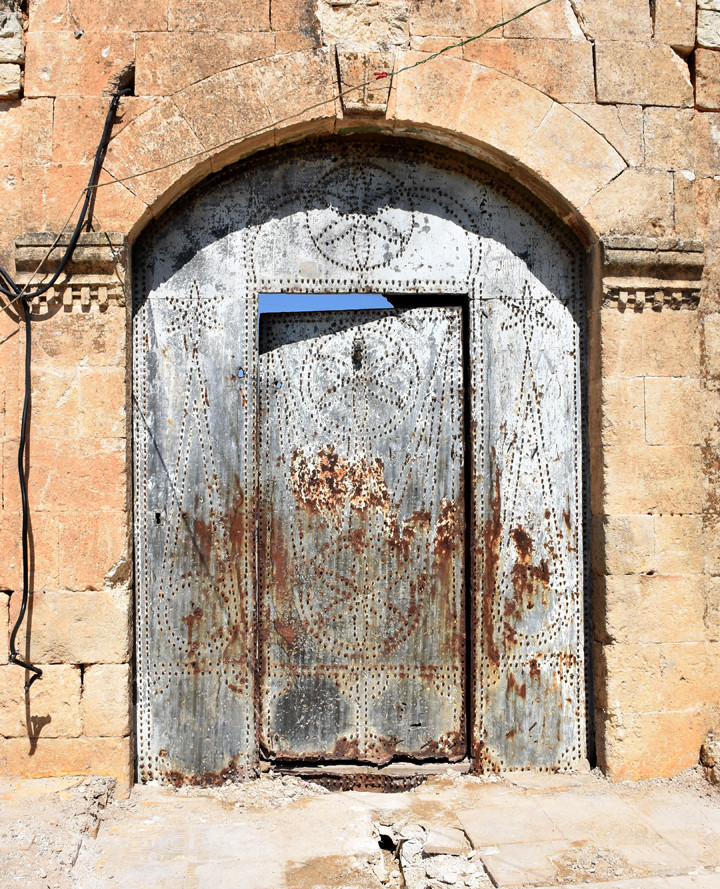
(78, 627)
(60, 64)
(637, 73)
(361, 91)
(10, 81)
(679, 544)
(562, 132)
(107, 15)
(652, 479)
(69, 756)
(45, 527)
(99, 341)
(364, 24)
(712, 608)
(295, 41)
(668, 136)
(708, 28)
(636, 746)
(562, 69)
(626, 676)
(76, 128)
(317, 71)
(711, 326)
(689, 675)
(166, 63)
(685, 204)
(98, 15)
(621, 125)
(707, 79)
(555, 20)
(619, 404)
(52, 708)
(159, 136)
(673, 411)
(76, 403)
(105, 705)
(710, 757)
(457, 18)
(675, 23)
(219, 15)
(59, 481)
(624, 544)
(637, 202)
(12, 49)
(614, 19)
(707, 195)
(91, 546)
(642, 609)
(707, 143)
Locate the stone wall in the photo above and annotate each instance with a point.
(607, 109)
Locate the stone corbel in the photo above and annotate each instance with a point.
(372, 73)
(648, 273)
(97, 273)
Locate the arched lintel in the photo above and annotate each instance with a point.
(478, 111)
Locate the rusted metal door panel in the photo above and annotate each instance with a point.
(194, 527)
(532, 696)
(362, 535)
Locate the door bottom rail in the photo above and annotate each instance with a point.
(393, 778)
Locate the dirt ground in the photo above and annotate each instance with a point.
(75, 834)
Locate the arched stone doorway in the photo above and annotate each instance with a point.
(343, 216)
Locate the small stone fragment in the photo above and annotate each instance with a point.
(710, 757)
(445, 841)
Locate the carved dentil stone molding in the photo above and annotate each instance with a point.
(652, 273)
(95, 275)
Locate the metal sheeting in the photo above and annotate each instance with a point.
(531, 707)
(194, 537)
(345, 216)
(362, 520)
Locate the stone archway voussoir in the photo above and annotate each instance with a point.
(546, 146)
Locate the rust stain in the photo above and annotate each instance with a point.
(203, 535)
(566, 519)
(288, 632)
(357, 538)
(446, 530)
(492, 532)
(346, 748)
(189, 620)
(534, 669)
(513, 685)
(530, 581)
(327, 483)
(523, 542)
(231, 772)
(383, 750)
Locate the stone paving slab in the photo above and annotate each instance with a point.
(278, 833)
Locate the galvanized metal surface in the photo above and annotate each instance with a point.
(194, 521)
(362, 535)
(344, 216)
(531, 516)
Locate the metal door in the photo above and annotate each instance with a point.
(361, 557)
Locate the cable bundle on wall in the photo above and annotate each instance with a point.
(10, 289)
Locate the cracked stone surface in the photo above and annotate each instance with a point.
(523, 830)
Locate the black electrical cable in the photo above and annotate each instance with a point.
(13, 655)
(10, 289)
